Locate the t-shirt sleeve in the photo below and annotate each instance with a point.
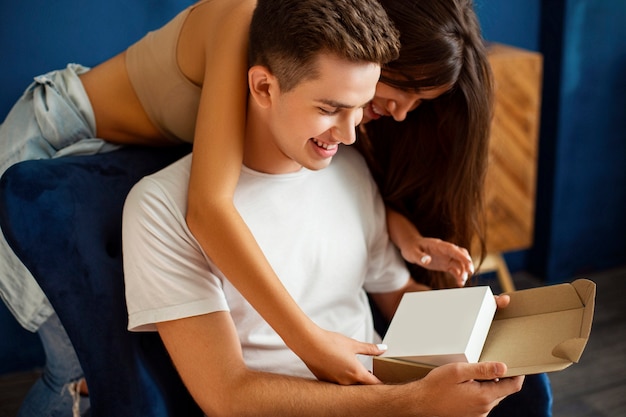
(387, 271)
(167, 275)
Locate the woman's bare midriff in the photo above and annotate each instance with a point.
(120, 117)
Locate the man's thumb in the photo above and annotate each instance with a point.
(490, 370)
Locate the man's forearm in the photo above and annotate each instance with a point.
(265, 394)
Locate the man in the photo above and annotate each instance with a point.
(322, 230)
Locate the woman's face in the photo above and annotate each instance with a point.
(397, 103)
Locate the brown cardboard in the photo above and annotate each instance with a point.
(543, 329)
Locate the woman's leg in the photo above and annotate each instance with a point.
(56, 392)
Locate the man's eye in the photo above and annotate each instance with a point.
(328, 112)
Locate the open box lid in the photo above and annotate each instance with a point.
(543, 329)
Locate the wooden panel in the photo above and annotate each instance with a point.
(511, 176)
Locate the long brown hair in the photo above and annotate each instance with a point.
(431, 166)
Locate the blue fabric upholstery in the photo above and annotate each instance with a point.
(63, 219)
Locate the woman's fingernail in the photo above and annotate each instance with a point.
(425, 259)
(381, 346)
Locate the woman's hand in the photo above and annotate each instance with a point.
(331, 357)
(438, 255)
(431, 253)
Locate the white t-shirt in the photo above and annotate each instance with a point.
(323, 232)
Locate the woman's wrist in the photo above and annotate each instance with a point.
(302, 336)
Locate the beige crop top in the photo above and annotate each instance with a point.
(169, 98)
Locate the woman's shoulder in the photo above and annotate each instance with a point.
(212, 31)
(219, 10)
(211, 21)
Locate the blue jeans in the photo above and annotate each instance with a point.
(534, 400)
(55, 392)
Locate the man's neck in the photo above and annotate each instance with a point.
(260, 152)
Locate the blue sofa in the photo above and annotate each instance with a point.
(63, 219)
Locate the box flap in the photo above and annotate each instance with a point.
(587, 292)
(544, 329)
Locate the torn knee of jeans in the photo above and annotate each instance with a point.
(74, 388)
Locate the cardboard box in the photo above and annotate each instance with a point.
(439, 327)
(543, 329)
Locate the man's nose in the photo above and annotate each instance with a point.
(345, 135)
(345, 130)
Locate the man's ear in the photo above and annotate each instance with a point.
(263, 85)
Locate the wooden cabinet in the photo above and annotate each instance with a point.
(511, 176)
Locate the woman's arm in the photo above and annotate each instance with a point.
(218, 226)
(431, 253)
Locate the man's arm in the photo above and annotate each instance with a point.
(206, 351)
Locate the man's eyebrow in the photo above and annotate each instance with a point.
(339, 105)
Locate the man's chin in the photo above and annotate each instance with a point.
(317, 165)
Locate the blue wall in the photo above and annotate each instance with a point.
(584, 225)
(512, 22)
(581, 189)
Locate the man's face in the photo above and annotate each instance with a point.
(309, 122)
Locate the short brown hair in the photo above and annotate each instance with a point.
(286, 36)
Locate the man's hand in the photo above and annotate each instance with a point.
(463, 389)
(502, 301)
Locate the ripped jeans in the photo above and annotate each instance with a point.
(56, 392)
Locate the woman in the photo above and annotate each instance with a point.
(430, 156)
